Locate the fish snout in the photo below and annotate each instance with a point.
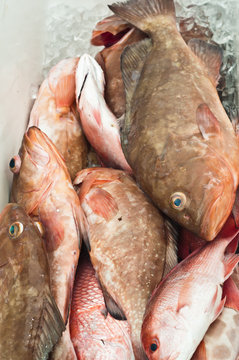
(219, 199)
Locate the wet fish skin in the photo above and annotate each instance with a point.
(55, 113)
(94, 335)
(43, 187)
(127, 242)
(176, 134)
(98, 122)
(187, 301)
(30, 322)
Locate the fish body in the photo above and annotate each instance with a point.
(54, 112)
(99, 124)
(94, 335)
(187, 301)
(129, 243)
(42, 185)
(30, 322)
(109, 59)
(176, 135)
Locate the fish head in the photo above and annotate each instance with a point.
(17, 236)
(165, 338)
(198, 189)
(35, 169)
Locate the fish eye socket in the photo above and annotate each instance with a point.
(15, 229)
(15, 164)
(178, 201)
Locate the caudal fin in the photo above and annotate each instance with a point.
(141, 12)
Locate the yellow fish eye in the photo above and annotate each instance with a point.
(15, 229)
(178, 201)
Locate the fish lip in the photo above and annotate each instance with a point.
(208, 232)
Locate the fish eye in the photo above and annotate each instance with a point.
(154, 345)
(15, 229)
(15, 164)
(178, 201)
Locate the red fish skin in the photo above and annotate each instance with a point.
(94, 336)
(194, 281)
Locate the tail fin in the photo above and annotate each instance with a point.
(140, 12)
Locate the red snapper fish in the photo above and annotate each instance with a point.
(54, 112)
(42, 185)
(222, 338)
(187, 301)
(94, 335)
(99, 124)
(176, 136)
(131, 245)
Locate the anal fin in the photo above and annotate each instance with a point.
(112, 307)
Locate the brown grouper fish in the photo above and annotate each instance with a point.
(42, 185)
(176, 135)
(95, 335)
(30, 322)
(131, 245)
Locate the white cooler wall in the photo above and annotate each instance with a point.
(21, 51)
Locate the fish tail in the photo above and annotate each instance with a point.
(144, 14)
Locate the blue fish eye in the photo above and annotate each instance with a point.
(12, 229)
(12, 163)
(15, 229)
(177, 202)
(153, 347)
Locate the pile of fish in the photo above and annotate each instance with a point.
(132, 153)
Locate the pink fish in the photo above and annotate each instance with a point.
(222, 338)
(187, 301)
(54, 112)
(42, 185)
(99, 124)
(94, 335)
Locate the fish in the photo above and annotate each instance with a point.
(42, 185)
(131, 245)
(115, 34)
(98, 122)
(187, 301)
(176, 135)
(94, 335)
(222, 338)
(30, 321)
(55, 113)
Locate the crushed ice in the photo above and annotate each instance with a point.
(69, 31)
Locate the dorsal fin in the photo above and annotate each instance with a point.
(132, 62)
(207, 122)
(210, 54)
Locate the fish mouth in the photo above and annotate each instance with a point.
(219, 210)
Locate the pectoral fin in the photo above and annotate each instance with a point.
(112, 307)
(48, 331)
(207, 122)
(231, 291)
(102, 203)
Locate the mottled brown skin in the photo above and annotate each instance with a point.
(109, 60)
(162, 141)
(61, 124)
(43, 187)
(129, 251)
(25, 288)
